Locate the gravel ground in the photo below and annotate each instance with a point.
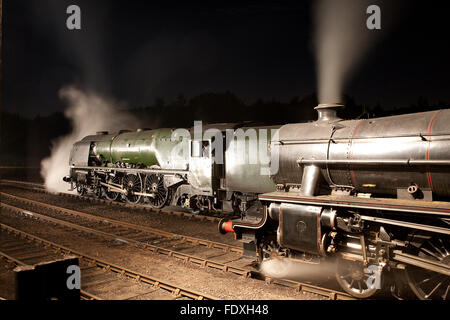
(207, 281)
(171, 223)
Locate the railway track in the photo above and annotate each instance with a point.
(38, 187)
(96, 273)
(197, 251)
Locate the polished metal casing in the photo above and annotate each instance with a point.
(377, 156)
(245, 176)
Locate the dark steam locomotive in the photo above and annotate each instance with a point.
(372, 194)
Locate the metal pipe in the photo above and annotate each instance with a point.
(328, 218)
(274, 211)
(372, 162)
(311, 174)
(363, 249)
(421, 262)
(406, 224)
(442, 136)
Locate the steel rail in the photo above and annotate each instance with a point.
(34, 184)
(155, 249)
(157, 283)
(298, 286)
(207, 243)
(84, 295)
(40, 188)
(18, 167)
(12, 259)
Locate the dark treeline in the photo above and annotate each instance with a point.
(226, 107)
(25, 141)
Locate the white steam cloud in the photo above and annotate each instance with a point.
(296, 270)
(341, 40)
(88, 113)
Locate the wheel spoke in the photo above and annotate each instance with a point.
(351, 283)
(427, 284)
(436, 249)
(133, 183)
(444, 296)
(346, 275)
(430, 253)
(110, 194)
(444, 247)
(351, 276)
(428, 279)
(154, 184)
(432, 291)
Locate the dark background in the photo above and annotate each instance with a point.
(172, 63)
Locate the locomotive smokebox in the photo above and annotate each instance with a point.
(328, 111)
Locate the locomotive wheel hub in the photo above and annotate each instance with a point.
(154, 185)
(353, 277)
(269, 251)
(108, 192)
(133, 184)
(357, 275)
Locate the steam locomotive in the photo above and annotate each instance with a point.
(371, 194)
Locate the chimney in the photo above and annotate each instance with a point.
(328, 111)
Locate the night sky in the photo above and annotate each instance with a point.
(136, 51)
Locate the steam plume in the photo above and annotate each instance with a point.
(289, 269)
(88, 113)
(341, 40)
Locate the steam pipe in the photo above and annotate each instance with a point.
(442, 136)
(311, 174)
(406, 162)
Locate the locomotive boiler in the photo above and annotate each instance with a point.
(372, 194)
(405, 155)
